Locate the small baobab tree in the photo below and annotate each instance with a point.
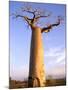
(37, 75)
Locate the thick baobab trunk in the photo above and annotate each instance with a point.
(36, 69)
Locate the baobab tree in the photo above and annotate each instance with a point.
(37, 76)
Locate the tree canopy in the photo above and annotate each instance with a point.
(36, 15)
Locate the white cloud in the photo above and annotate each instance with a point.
(56, 55)
(60, 59)
(55, 61)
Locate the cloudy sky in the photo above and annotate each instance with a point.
(53, 42)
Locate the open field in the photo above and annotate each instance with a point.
(24, 84)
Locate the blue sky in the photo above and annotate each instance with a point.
(53, 42)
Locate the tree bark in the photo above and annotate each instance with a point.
(36, 69)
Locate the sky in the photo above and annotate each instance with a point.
(53, 42)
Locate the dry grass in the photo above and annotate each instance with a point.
(24, 84)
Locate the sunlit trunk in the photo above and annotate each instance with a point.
(36, 69)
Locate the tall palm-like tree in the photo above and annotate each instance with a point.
(37, 76)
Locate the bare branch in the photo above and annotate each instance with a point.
(42, 16)
(25, 17)
(48, 29)
(29, 11)
(37, 14)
